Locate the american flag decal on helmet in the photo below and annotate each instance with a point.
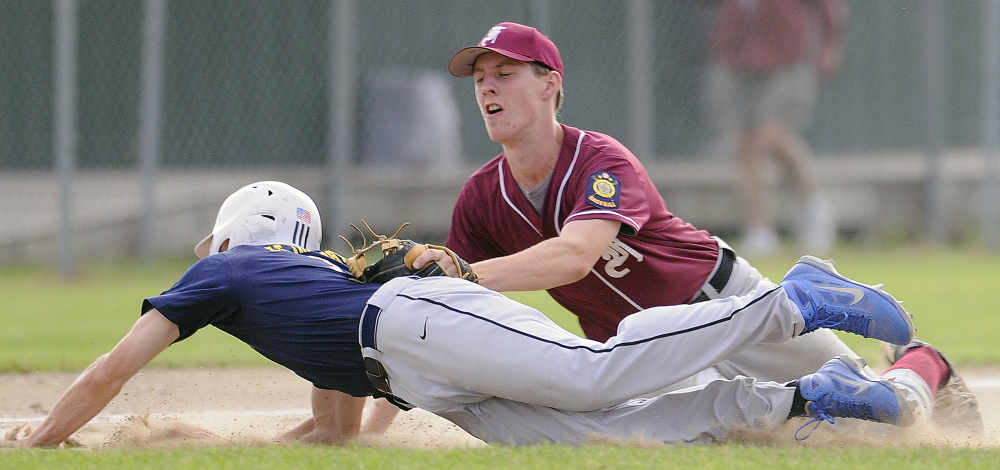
(303, 215)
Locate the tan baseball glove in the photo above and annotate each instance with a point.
(397, 259)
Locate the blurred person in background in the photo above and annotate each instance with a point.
(769, 58)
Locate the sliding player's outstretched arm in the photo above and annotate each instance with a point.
(103, 379)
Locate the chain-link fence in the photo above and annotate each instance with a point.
(167, 106)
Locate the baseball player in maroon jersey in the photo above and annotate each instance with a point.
(575, 213)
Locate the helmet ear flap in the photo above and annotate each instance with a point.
(203, 247)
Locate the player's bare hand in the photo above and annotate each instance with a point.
(377, 416)
(309, 433)
(441, 257)
(294, 434)
(17, 437)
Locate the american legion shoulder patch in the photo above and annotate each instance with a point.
(604, 190)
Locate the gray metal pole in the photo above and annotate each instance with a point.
(991, 124)
(342, 93)
(65, 125)
(539, 16)
(933, 50)
(639, 75)
(149, 123)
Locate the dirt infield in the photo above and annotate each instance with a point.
(168, 407)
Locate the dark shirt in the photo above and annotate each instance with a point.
(298, 308)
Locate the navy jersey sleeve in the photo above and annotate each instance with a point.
(202, 296)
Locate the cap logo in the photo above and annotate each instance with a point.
(491, 36)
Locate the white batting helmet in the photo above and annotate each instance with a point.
(265, 213)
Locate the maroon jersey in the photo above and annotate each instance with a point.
(657, 258)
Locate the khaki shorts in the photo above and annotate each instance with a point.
(739, 100)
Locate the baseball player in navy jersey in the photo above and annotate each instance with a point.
(499, 369)
(575, 213)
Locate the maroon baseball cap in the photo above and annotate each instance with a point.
(513, 40)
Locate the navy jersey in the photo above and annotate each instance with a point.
(298, 308)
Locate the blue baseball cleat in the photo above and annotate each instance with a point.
(829, 300)
(844, 388)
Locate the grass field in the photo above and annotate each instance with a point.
(51, 324)
(724, 457)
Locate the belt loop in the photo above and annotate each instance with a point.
(373, 367)
(369, 320)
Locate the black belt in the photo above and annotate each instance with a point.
(376, 372)
(721, 276)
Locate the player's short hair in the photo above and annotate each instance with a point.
(542, 70)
